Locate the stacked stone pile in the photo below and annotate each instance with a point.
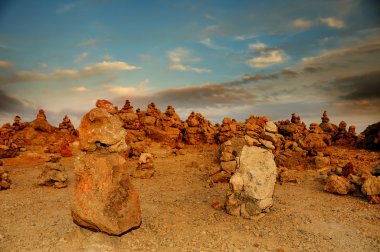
(53, 174)
(104, 198)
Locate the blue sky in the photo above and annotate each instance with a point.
(220, 58)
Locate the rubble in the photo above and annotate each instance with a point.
(104, 198)
(346, 179)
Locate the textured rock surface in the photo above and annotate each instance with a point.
(371, 186)
(104, 198)
(252, 186)
(54, 175)
(338, 185)
(98, 127)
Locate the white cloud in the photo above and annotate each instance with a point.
(44, 65)
(180, 56)
(333, 22)
(208, 42)
(302, 23)
(268, 59)
(267, 56)
(110, 66)
(81, 57)
(244, 37)
(80, 89)
(105, 68)
(257, 46)
(5, 64)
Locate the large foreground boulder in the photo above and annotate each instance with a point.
(104, 198)
(252, 186)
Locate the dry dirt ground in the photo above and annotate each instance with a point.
(177, 213)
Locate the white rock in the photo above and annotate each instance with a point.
(253, 183)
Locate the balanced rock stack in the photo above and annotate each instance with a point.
(5, 181)
(67, 126)
(54, 175)
(293, 130)
(252, 185)
(326, 126)
(145, 168)
(127, 115)
(227, 130)
(104, 198)
(41, 124)
(198, 130)
(229, 153)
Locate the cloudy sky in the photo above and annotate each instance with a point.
(220, 58)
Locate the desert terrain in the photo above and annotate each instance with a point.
(177, 213)
(183, 203)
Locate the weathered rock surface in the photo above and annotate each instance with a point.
(252, 186)
(371, 186)
(53, 174)
(99, 128)
(338, 185)
(104, 198)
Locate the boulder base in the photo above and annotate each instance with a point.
(104, 198)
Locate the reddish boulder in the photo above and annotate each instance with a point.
(104, 198)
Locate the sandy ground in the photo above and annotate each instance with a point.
(177, 214)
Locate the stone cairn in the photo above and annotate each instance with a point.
(54, 175)
(198, 130)
(104, 198)
(67, 126)
(252, 185)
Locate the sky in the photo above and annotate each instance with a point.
(220, 58)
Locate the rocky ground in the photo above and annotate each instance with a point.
(177, 213)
